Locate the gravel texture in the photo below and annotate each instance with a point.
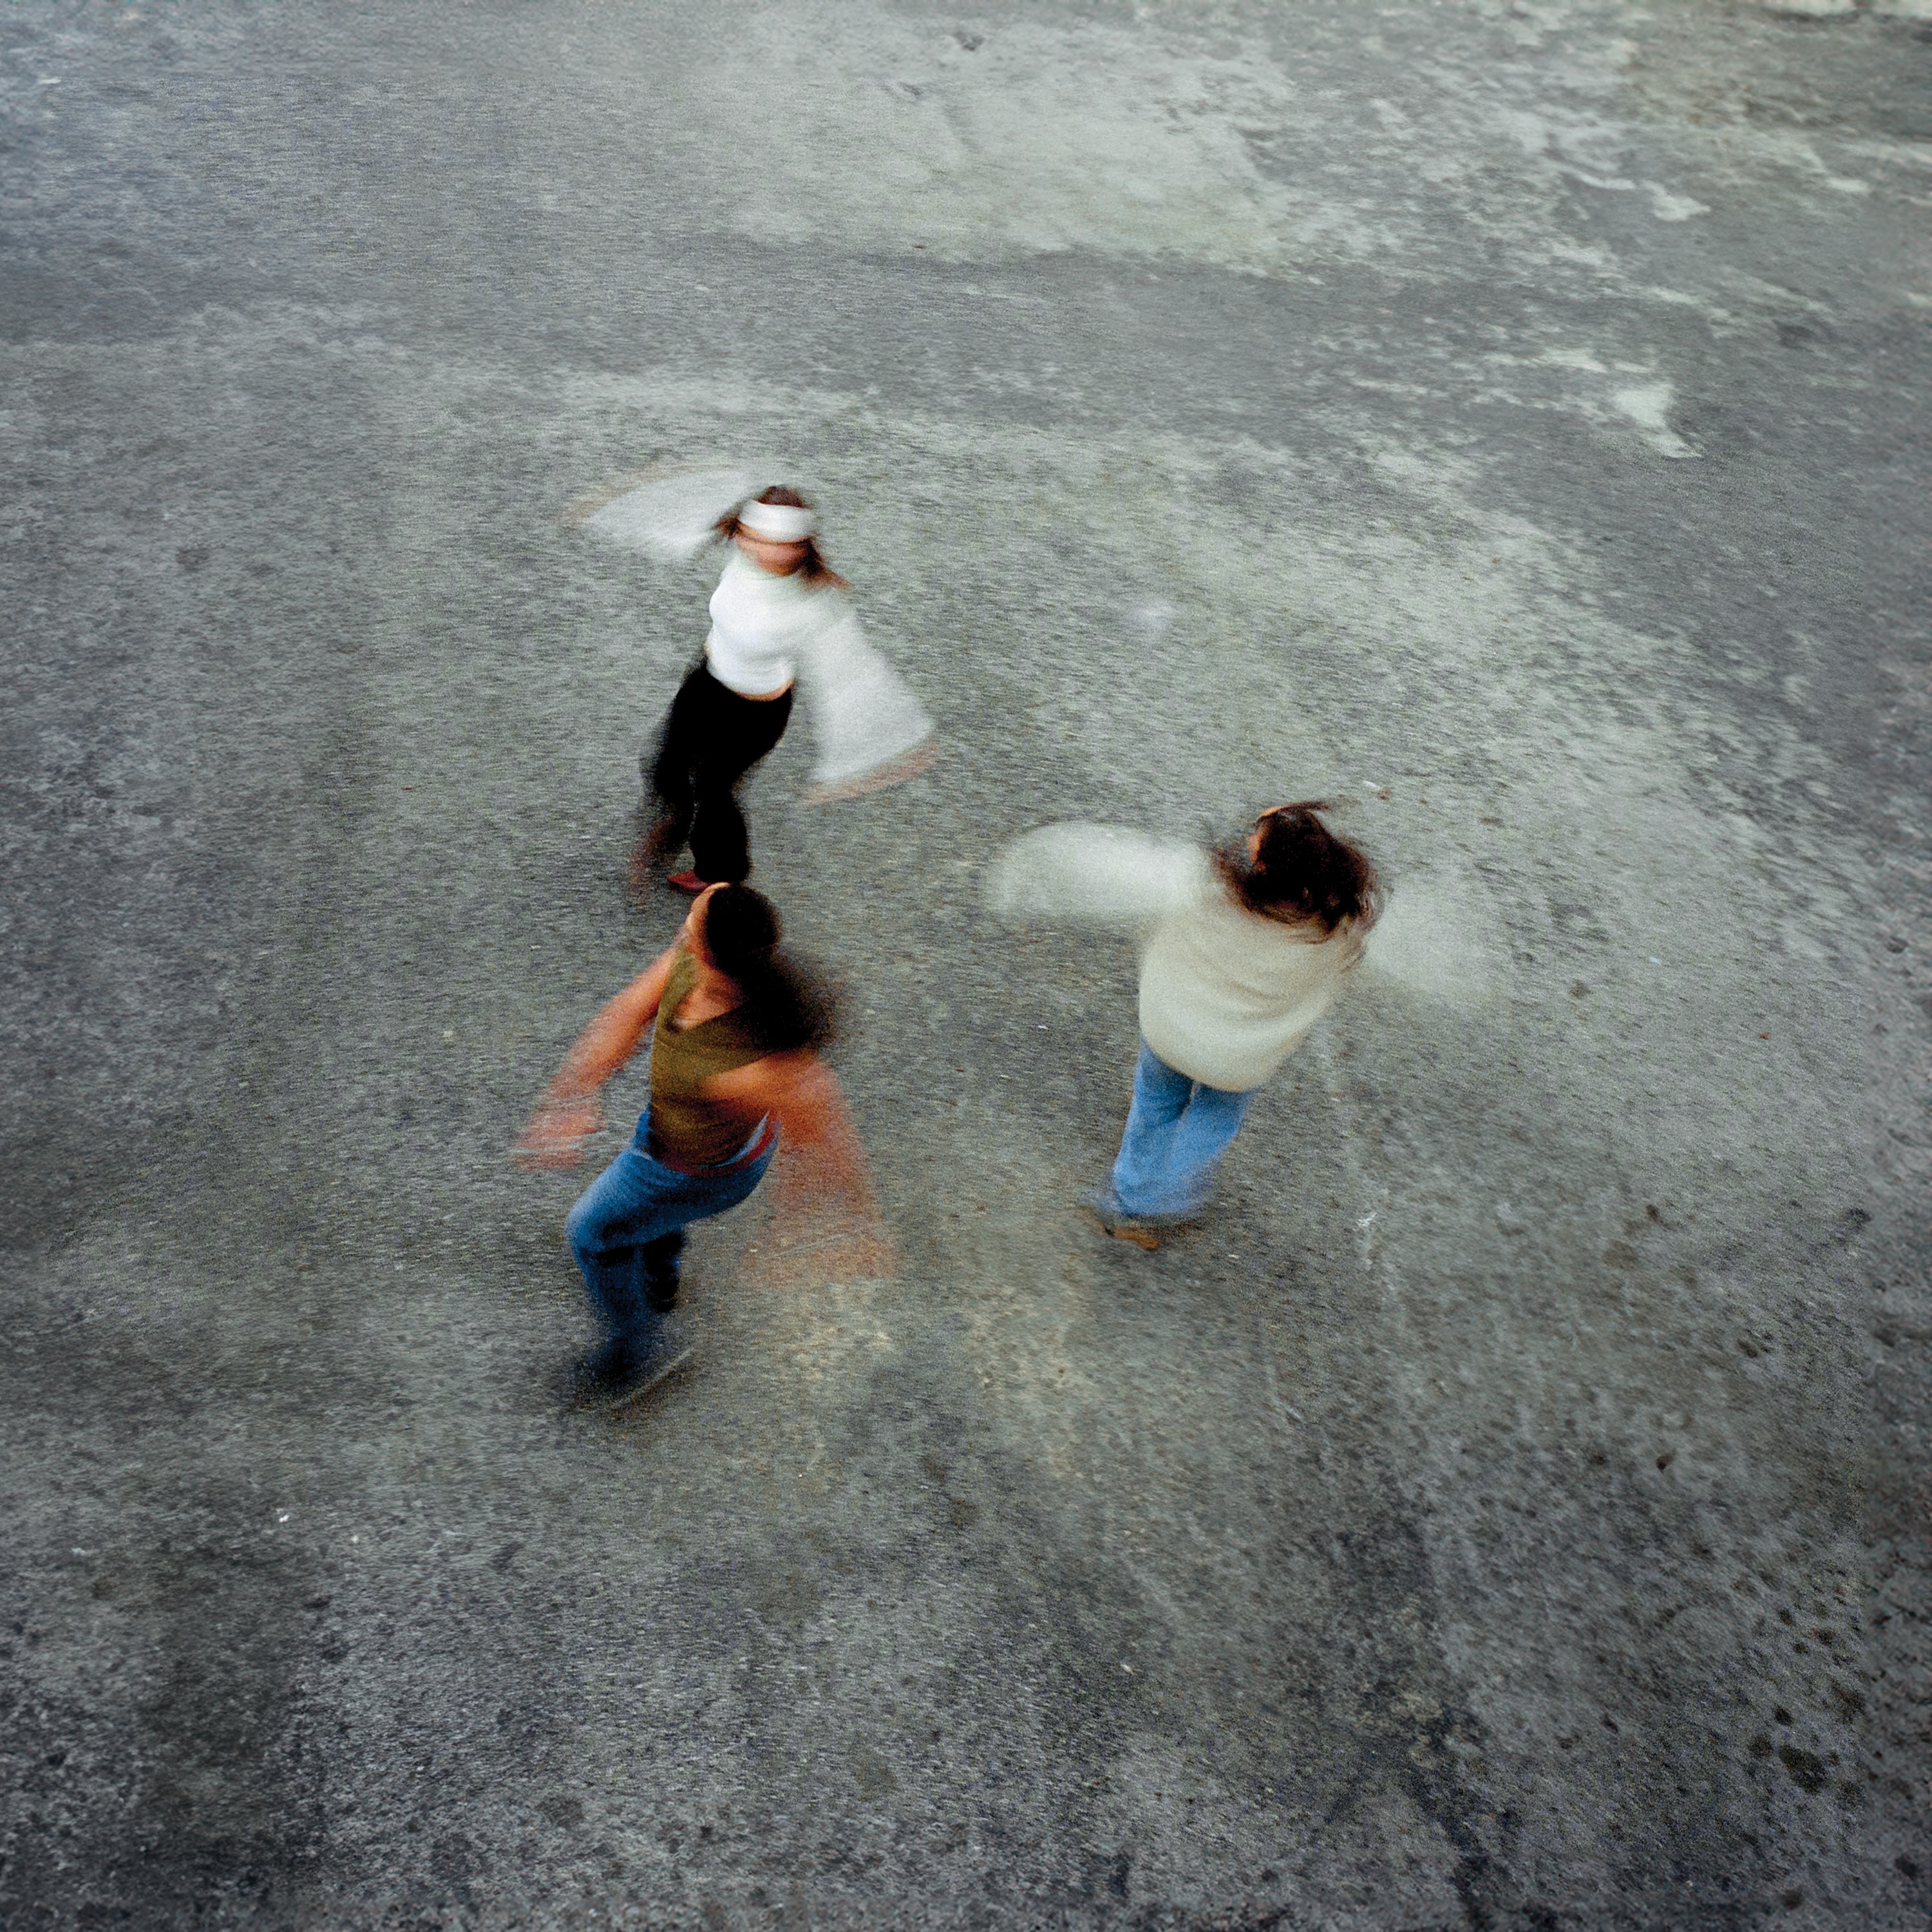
(1511, 1511)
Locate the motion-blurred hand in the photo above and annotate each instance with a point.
(556, 1132)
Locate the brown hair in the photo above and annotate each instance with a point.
(1301, 873)
(812, 567)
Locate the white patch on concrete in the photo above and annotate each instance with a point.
(1035, 139)
(1647, 405)
(1668, 207)
(1581, 257)
(1570, 359)
(1793, 151)
(1530, 132)
(1800, 944)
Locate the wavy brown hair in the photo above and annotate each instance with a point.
(1301, 873)
(812, 566)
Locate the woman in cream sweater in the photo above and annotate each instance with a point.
(1242, 950)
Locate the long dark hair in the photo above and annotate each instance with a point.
(791, 1005)
(812, 567)
(1302, 873)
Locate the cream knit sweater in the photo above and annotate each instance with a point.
(1225, 997)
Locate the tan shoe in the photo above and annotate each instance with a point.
(1123, 1227)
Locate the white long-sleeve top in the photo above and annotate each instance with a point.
(767, 630)
(1225, 996)
(759, 623)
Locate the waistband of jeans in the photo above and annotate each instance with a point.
(764, 1137)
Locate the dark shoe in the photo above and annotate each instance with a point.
(617, 1375)
(687, 882)
(669, 1352)
(661, 1271)
(603, 1371)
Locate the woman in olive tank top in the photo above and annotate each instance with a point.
(734, 1061)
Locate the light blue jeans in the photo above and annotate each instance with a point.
(628, 1226)
(1176, 1129)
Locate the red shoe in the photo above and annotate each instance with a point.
(687, 882)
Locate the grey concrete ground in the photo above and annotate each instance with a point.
(1512, 1511)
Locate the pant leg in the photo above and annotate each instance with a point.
(742, 731)
(1176, 1129)
(627, 1224)
(670, 771)
(661, 1271)
(607, 1231)
(1141, 1170)
(1201, 1135)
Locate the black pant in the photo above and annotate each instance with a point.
(711, 739)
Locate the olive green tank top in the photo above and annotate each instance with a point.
(687, 1130)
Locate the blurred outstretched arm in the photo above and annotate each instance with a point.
(872, 731)
(1095, 875)
(570, 1112)
(825, 1219)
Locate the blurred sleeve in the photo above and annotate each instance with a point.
(865, 716)
(1429, 941)
(670, 514)
(1095, 875)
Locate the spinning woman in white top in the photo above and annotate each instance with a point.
(1241, 952)
(778, 610)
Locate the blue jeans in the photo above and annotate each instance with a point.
(1176, 1129)
(627, 1229)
